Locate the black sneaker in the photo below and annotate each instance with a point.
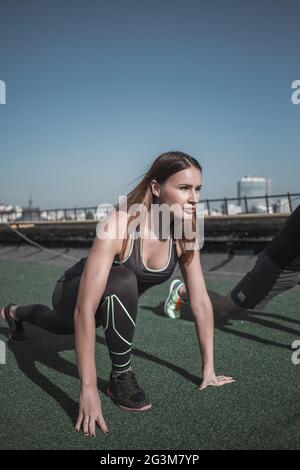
(16, 328)
(125, 391)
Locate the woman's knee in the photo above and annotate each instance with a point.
(121, 281)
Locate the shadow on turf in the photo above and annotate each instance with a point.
(223, 263)
(15, 248)
(225, 323)
(43, 347)
(33, 253)
(50, 258)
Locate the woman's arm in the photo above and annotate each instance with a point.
(204, 320)
(92, 286)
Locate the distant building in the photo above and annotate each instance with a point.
(9, 213)
(30, 213)
(281, 206)
(232, 209)
(254, 186)
(212, 211)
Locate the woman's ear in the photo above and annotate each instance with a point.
(155, 188)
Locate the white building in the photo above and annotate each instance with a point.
(9, 213)
(254, 186)
(232, 209)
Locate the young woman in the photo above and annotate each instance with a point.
(104, 287)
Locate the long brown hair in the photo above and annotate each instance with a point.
(163, 167)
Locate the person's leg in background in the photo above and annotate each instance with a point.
(258, 287)
(254, 290)
(287, 278)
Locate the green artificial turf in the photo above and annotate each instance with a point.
(39, 383)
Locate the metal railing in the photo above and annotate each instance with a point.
(228, 206)
(52, 215)
(275, 203)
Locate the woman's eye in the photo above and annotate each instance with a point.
(185, 189)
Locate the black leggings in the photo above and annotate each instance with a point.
(116, 312)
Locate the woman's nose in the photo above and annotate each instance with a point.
(192, 196)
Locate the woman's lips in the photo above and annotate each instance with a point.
(189, 210)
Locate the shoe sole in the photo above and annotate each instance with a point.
(143, 408)
(168, 298)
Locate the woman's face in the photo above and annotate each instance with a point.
(181, 191)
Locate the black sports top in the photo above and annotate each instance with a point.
(146, 277)
(285, 247)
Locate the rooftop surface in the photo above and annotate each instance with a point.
(40, 387)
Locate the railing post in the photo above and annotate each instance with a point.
(246, 204)
(207, 205)
(290, 202)
(267, 203)
(65, 214)
(75, 213)
(226, 205)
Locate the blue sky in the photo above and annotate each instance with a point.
(97, 89)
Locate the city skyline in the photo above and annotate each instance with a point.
(248, 186)
(238, 195)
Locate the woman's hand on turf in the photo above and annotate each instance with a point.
(90, 412)
(210, 379)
